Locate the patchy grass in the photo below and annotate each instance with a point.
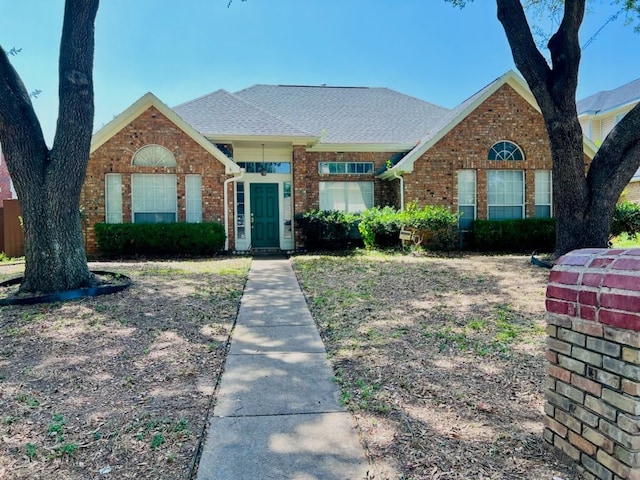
(118, 384)
(439, 359)
(624, 241)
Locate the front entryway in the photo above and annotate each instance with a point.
(264, 215)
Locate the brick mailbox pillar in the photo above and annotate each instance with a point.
(593, 376)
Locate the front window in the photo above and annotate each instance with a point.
(266, 167)
(352, 168)
(351, 197)
(113, 196)
(543, 193)
(505, 150)
(193, 193)
(153, 198)
(153, 156)
(466, 198)
(505, 194)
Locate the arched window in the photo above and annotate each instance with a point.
(153, 156)
(505, 150)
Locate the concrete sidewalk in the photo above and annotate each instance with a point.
(278, 414)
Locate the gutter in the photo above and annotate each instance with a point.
(226, 206)
(401, 178)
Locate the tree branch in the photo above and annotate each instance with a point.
(19, 125)
(565, 50)
(526, 55)
(75, 117)
(618, 158)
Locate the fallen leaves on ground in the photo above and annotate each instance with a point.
(440, 360)
(116, 386)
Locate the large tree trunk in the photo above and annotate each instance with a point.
(583, 204)
(48, 182)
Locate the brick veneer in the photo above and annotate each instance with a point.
(5, 181)
(593, 396)
(306, 178)
(503, 116)
(151, 127)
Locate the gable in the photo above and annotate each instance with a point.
(507, 102)
(150, 104)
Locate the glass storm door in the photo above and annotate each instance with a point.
(264, 215)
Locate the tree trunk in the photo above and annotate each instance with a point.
(55, 256)
(48, 182)
(583, 204)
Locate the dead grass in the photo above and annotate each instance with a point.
(440, 360)
(116, 386)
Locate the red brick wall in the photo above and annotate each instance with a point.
(306, 177)
(5, 181)
(593, 397)
(151, 127)
(503, 116)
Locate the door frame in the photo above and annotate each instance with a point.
(249, 179)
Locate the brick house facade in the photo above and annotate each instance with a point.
(503, 116)
(274, 168)
(6, 191)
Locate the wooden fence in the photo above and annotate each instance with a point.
(11, 235)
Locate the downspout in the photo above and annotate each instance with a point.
(226, 206)
(401, 178)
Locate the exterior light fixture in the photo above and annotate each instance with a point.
(263, 172)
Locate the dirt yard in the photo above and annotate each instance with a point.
(117, 386)
(441, 361)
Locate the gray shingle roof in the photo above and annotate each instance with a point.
(339, 115)
(224, 113)
(609, 99)
(349, 115)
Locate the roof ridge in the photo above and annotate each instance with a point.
(271, 114)
(201, 97)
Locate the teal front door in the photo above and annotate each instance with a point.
(264, 215)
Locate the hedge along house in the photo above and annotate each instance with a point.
(254, 158)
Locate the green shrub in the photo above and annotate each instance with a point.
(380, 227)
(524, 234)
(328, 230)
(159, 238)
(626, 219)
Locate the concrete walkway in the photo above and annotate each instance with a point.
(278, 414)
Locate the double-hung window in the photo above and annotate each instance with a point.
(466, 198)
(350, 197)
(544, 194)
(113, 197)
(505, 194)
(153, 198)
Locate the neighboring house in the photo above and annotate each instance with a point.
(6, 186)
(599, 113)
(255, 158)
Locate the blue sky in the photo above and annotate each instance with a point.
(182, 50)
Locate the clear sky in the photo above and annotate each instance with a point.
(180, 50)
